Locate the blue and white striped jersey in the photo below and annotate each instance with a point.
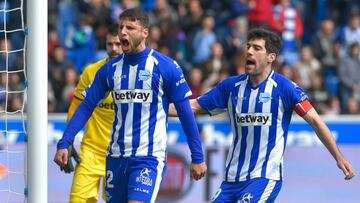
(142, 86)
(259, 118)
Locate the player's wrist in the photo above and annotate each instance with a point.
(197, 160)
(62, 144)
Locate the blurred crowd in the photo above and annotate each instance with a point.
(12, 56)
(321, 50)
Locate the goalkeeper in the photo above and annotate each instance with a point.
(91, 168)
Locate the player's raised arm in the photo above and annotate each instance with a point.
(310, 115)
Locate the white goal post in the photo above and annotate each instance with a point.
(37, 72)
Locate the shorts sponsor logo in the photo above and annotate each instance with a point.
(144, 177)
(253, 119)
(141, 190)
(132, 96)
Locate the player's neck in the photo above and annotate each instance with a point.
(257, 79)
(137, 55)
(139, 48)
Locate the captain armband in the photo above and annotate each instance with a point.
(303, 107)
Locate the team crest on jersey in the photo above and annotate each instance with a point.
(144, 75)
(144, 177)
(264, 97)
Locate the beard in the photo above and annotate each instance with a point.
(136, 42)
(259, 68)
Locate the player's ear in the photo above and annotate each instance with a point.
(145, 32)
(271, 57)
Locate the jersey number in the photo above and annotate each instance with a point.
(109, 178)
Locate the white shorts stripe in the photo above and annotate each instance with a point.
(159, 168)
(267, 192)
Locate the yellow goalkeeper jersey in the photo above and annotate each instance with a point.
(97, 131)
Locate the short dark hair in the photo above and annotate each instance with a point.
(113, 29)
(135, 14)
(273, 42)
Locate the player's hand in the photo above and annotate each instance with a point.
(197, 171)
(69, 167)
(63, 158)
(346, 168)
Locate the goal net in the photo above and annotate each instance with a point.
(13, 87)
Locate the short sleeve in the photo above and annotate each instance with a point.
(293, 94)
(175, 85)
(216, 100)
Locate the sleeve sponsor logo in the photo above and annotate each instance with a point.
(132, 96)
(254, 119)
(85, 91)
(181, 81)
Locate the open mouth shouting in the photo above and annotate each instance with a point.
(250, 63)
(125, 45)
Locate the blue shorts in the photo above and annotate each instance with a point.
(133, 178)
(254, 190)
